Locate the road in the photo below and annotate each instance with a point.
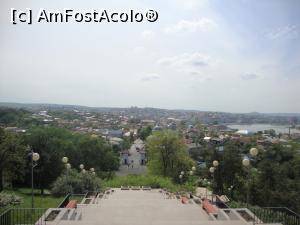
(135, 167)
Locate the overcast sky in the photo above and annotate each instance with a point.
(233, 56)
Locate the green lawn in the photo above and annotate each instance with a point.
(46, 201)
(148, 180)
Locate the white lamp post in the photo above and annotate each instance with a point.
(246, 163)
(212, 170)
(180, 177)
(81, 166)
(65, 160)
(34, 158)
(68, 166)
(208, 184)
(215, 163)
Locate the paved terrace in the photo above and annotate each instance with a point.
(140, 207)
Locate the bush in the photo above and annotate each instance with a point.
(9, 199)
(74, 182)
(148, 180)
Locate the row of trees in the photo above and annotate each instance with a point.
(272, 179)
(273, 176)
(52, 144)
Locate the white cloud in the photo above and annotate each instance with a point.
(150, 77)
(250, 76)
(148, 34)
(203, 24)
(288, 31)
(186, 62)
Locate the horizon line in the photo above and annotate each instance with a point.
(144, 107)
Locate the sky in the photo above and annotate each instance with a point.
(210, 55)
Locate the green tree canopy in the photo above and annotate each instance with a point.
(167, 154)
(12, 154)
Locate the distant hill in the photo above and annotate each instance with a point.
(156, 113)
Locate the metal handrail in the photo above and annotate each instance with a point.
(65, 201)
(275, 215)
(32, 216)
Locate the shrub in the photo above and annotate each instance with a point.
(74, 182)
(9, 199)
(148, 180)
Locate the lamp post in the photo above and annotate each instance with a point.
(34, 158)
(207, 184)
(191, 173)
(180, 178)
(81, 167)
(68, 166)
(246, 163)
(65, 160)
(230, 189)
(212, 171)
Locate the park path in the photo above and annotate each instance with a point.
(135, 167)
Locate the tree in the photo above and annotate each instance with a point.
(145, 132)
(231, 165)
(12, 154)
(50, 143)
(279, 178)
(54, 143)
(167, 154)
(93, 152)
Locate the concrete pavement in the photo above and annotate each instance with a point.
(135, 167)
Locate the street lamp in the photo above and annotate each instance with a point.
(230, 189)
(81, 166)
(212, 170)
(180, 177)
(68, 166)
(92, 169)
(208, 184)
(65, 160)
(246, 163)
(215, 163)
(34, 158)
(253, 152)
